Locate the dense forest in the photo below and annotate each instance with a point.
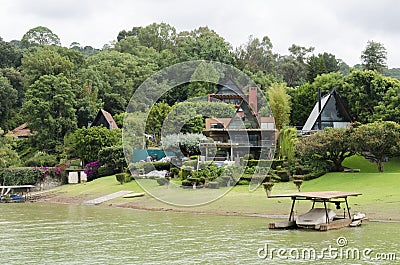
(58, 90)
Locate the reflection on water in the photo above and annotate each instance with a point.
(35, 233)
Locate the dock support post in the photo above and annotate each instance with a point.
(291, 210)
(347, 206)
(326, 212)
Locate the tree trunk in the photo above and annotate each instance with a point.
(337, 165)
(380, 166)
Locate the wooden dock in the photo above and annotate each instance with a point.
(336, 224)
(282, 225)
(321, 219)
(7, 193)
(107, 197)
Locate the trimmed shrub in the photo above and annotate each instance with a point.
(120, 178)
(248, 157)
(23, 176)
(262, 163)
(190, 163)
(142, 167)
(226, 181)
(113, 157)
(213, 185)
(174, 172)
(197, 181)
(283, 175)
(243, 182)
(161, 165)
(259, 178)
(185, 172)
(147, 167)
(19, 176)
(187, 183)
(314, 175)
(128, 178)
(104, 171)
(250, 170)
(162, 181)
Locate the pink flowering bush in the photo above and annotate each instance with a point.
(91, 170)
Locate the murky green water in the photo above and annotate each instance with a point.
(35, 233)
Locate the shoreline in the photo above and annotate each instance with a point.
(79, 200)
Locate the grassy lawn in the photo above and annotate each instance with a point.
(380, 199)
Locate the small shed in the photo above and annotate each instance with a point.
(76, 176)
(104, 118)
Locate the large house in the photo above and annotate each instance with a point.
(245, 133)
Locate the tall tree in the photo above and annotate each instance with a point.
(158, 36)
(86, 143)
(45, 61)
(203, 44)
(8, 99)
(256, 55)
(40, 36)
(8, 157)
(364, 90)
(321, 64)
(123, 34)
(116, 76)
(279, 101)
(374, 57)
(88, 103)
(204, 71)
(9, 55)
(388, 109)
(155, 120)
(331, 63)
(49, 110)
(300, 52)
(293, 68)
(316, 66)
(332, 145)
(16, 80)
(377, 140)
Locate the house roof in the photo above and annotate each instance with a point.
(22, 131)
(229, 88)
(107, 116)
(237, 121)
(332, 110)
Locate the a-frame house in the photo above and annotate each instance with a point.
(329, 111)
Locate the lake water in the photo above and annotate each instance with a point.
(35, 233)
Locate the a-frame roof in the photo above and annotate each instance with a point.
(332, 110)
(229, 88)
(237, 121)
(104, 118)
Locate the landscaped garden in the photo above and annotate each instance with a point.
(379, 193)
